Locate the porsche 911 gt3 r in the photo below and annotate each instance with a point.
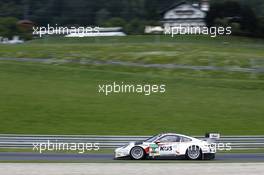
(169, 144)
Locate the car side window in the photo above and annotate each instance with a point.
(185, 139)
(170, 138)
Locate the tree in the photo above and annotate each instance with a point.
(115, 22)
(135, 26)
(102, 16)
(9, 28)
(233, 13)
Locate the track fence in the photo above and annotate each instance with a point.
(26, 141)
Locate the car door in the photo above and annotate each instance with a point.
(168, 145)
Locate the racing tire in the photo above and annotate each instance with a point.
(137, 153)
(193, 153)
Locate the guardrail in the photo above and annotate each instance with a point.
(26, 141)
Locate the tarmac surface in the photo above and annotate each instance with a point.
(220, 157)
(132, 168)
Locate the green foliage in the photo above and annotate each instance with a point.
(135, 26)
(115, 22)
(233, 13)
(261, 26)
(102, 16)
(236, 29)
(11, 8)
(101, 12)
(10, 28)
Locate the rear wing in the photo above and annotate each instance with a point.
(212, 137)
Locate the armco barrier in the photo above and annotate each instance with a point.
(26, 141)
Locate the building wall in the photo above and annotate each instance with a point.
(184, 15)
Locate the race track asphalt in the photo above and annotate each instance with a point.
(132, 168)
(60, 157)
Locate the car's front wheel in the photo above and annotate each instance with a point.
(193, 153)
(137, 153)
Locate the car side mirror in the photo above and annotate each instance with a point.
(157, 142)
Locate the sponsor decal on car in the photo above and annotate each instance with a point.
(153, 150)
(166, 148)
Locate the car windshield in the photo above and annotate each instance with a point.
(153, 138)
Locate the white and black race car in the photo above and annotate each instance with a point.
(168, 145)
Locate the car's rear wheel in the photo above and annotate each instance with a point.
(137, 153)
(193, 153)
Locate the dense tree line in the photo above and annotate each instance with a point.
(244, 18)
(133, 15)
(82, 12)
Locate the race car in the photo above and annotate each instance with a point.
(168, 145)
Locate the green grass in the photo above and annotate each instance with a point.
(190, 50)
(40, 98)
(63, 99)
